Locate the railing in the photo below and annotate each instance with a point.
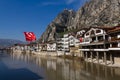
(115, 39)
(114, 46)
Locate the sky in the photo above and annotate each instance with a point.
(18, 16)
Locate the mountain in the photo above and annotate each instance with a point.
(93, 13)
(58, 25)
(98, 13)
(9, 42)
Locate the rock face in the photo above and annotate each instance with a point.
(98, 13)
(93, 13)
(59, 24)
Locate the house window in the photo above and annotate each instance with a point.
(87, 34)
(92, 32)
(86, 40)
(98, 31)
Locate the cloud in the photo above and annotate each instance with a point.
(64, 2)
(69, 1)
(49, 3)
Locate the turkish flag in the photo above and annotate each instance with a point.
(81, 39)
(30, 36)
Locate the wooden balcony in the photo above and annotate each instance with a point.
(114, 48)
(114, 39)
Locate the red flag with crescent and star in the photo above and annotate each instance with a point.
(30, 36)
(81, 39)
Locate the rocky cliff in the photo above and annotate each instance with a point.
(58, 25)
(93, 13)
(98, 13)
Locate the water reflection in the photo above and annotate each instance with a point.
(64, 69)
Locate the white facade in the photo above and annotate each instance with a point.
(73, 41)
(65, 35)
(77, 42)
(65, 46)
(93, 32)
(96, 32)
(51, 47)
(81, 32)
(70, 40)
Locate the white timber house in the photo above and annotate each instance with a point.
(51, 46)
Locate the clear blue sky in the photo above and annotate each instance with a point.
(17, 16)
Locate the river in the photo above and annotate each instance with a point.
(19, 66)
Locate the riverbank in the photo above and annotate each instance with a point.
(70, 57)
(101, 62)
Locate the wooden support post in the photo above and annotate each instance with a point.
(38, 46)
(96, 39)
(105, 58)
(92, 68)
(98, 70)
(86, 55)
(83, 55)
(87, 66)
(97, 56)
(106, 75)
(112, 72)
(111, 58)
(80, 54)
(91, 56)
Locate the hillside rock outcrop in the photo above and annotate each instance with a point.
(97, 13)
(59, 24)
(93, 13)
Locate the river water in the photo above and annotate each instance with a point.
(34, 67)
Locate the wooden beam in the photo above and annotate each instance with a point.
(86, 54)
(105, 58)
(111, 58)
(97, 56)
(91, 56)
